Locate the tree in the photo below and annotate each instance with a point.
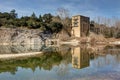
(43, 27)
(47, 18)
(56, 27)
(118, 35)
(13, 14)
(0, 23)
(63, 13)
(65, 20)
(33, 16)
(18, 23)
(40, 18)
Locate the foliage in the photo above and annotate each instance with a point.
(40, 18)
(109, 27)
(118, 35)
(47, 18)
(13, 14)
(56, 27)
(44, 23)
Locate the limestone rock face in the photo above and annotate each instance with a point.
(20, 36)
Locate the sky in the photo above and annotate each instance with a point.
(90, 8)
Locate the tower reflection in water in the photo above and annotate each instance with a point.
(80, 57)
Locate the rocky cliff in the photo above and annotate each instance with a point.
(21, 36)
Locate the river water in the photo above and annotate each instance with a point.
(83, 62)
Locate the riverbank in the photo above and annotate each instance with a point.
(21, 55)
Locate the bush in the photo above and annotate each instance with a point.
(56, 27)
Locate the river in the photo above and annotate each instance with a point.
(66, 62)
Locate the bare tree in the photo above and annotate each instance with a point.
(63, 13)
(64, 19)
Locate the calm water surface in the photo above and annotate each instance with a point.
(62, 63)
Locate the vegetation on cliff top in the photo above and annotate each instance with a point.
(47, 22)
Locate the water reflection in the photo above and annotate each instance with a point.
(52, 56)
(80, 57)
(64, 63)
(10, 49)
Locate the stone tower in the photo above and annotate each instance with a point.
(80, 26)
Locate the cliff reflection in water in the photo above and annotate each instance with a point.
(13, 49)
(78, 57)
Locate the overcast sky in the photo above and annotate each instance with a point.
(91, 8)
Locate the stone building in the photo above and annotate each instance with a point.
(80, 26)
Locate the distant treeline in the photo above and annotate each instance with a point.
(47, 22)
(109, 27)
